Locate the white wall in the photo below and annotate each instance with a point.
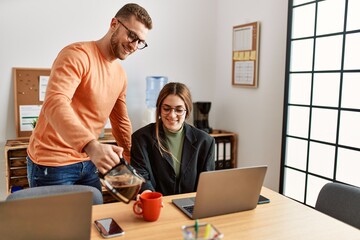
(190, 43)
(255, 114)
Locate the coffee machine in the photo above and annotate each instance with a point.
(201, 115)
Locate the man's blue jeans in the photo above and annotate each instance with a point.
(83, 173)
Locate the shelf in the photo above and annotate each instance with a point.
(16, 165)
(225, 142)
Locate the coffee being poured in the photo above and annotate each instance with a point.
(122, 181)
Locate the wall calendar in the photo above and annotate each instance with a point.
(245, 55)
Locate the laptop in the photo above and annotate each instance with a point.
(225, 191)
(63, 216)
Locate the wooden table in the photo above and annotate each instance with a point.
(282, 218)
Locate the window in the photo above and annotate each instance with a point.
(321, 136)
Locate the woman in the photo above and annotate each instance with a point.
(170, 154)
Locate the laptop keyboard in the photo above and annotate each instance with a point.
(189, 208)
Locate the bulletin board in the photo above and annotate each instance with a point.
(29, 91)
(245, 55)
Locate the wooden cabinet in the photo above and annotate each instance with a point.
(16, 168)
(15, 164)
(226, 149)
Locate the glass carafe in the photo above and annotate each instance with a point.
(122, 181)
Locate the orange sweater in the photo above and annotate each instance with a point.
(84, 89)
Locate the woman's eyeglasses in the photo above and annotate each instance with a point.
(179, 111)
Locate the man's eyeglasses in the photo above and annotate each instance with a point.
(132, 37)
(179, 111)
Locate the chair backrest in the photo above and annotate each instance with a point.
(56, 189)
(340, 201)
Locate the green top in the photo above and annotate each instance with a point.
(175, 142)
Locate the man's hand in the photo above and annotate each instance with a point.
(104, 156)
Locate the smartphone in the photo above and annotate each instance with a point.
(108, 228)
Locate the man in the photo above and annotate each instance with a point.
(87, 85)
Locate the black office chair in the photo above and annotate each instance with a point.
(56, 189)
(340, 201)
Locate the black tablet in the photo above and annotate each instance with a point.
(263, 200)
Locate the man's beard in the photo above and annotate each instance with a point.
(115, 46)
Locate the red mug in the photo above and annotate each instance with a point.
(149, 206)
